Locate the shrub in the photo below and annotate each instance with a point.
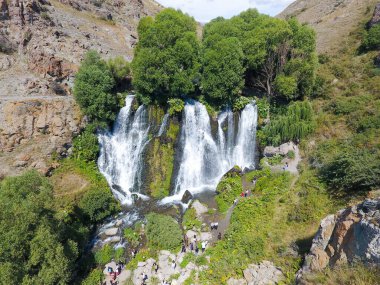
(353, 169)
(120, 69)
(190, 219)
(96, 277)
(294, 125)
(98, 203)
(228, 189)
(163, 232)
(86, 146)
(104, 255)
(132, 237)
(175, 106)
(240, 103)
(291, 154)
(372, 38)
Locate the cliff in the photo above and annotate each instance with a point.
(333, 20)
(41, 45)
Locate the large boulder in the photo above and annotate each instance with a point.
(283, 149)
(187, 196)
(350, 235)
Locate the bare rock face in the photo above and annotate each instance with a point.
(264, 273)
(283, 149)
(376, 17)
(350, 235)
(41, 46)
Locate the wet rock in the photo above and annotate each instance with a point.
(187, 196)
(111, 232)
(234, 172)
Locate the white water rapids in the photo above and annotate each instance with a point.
(204, 159)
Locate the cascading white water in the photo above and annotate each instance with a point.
(163, 125)
(204, 161)
(120, 159)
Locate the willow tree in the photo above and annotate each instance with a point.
(166, 62)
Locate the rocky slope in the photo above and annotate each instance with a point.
(333, 20)
(41, 45)
(349, 236)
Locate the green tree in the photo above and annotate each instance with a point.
(372, 38)
(223, 71)
(166, 63)
(120, 69)
(96, 277)
(93, 87)
(86, 145)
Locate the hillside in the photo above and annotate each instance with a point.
(333, 20)
(41, 44)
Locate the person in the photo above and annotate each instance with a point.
(155, 266)
(195, 239)
(204, 243)
(287, 165)
(219, 236)
(246, 193)
(174, 265)
(119, 269)
(196, 249)
(242, 194)
(183, 248)
(191, 246)
(236, 201)
(216, 225)
(109, 270)
(186, 239)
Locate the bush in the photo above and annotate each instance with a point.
(163, 232)
(372, 38)
(96, 277)
(294, 125)
(175, 106)
(353, 169)
(228, 189)
(190, 220)
(104, 255)
(132, 237)
(98, 203)
(120, 69)
(93, 89)
(291, 154)
(86, 146)
(240, 103)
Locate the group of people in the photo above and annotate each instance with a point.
(286, 166)
(244, 194)
(114, 273)
(193, 245)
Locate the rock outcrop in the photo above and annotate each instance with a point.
(41, 45)
(350, 235)
(376, 17)
(264, 273)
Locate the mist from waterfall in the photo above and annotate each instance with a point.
(120, 159)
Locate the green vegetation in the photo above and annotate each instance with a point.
(85, 145)
(228, 189)
(372, 38)
(268, 54)
(120, 69)
(190, 220)
(163, 232)
(94, 278)
(93, 89)
(166, 61)
(34, 245)
(132, 237)
(175, 106)
(292, 124)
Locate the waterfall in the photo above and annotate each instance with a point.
(120, 159)
(163, 125)
(204, 160)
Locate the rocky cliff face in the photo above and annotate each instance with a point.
(333, 20)
(41, 45)
(348, 236)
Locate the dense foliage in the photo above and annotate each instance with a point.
(372, 38)
(166, 63)
(163, 232)
(293, 124)
(272, 55)
(34, 247)
(93, 89)
(85, 145)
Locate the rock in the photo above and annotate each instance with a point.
(376, 17)
(187, 196)
(20, 163)
(351, 234)
(283, 149)
(233, 281)
(199, 208)
(111, 231)
(234, 172)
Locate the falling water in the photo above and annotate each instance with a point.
(120, 159)
(163, 125)
(205, 160)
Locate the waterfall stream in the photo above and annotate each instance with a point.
(204, 159)
(120, 159)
